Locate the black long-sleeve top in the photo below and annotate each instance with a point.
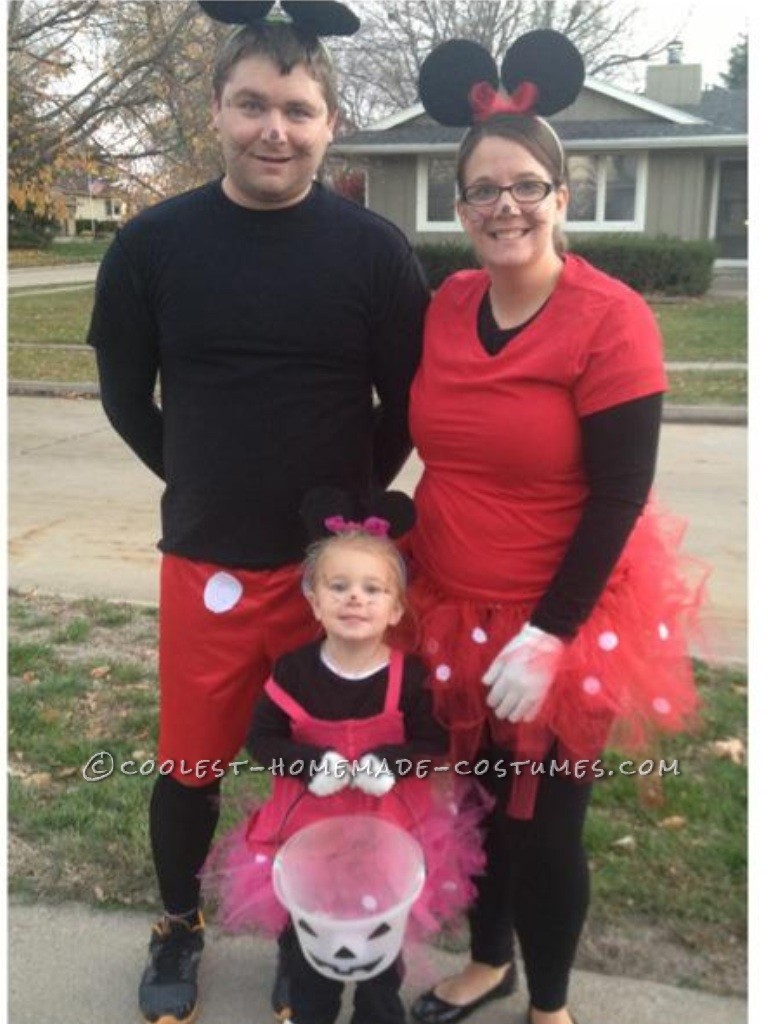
(324, 694)
(270, 332)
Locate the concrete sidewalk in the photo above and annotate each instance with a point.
(71, 965)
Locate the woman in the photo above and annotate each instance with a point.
(550, 605)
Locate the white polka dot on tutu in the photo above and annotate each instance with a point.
(432, 646)
(663, 631)
(369, 902)
(661, 706)
(443, 673)
(222, 592)
(449, 886)
(261, 858)
(608, 641)
(591, 685)
(479, 635)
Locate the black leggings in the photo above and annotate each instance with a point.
(182, 821)
(536, 884)
(316, 999)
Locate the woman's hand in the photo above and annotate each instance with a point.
(373, 776)
(331, 775)
(522, 673)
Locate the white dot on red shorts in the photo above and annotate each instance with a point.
(443, 673)
(369, 902)
(261, 858)
(449, 886)
(608, 641)
(479, 635)
(663, 631)
(591, 685)
(661, 706)
(222, 592)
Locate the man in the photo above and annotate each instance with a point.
(270, 308)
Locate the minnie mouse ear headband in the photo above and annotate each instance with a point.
(329, 510)
(313, 17)
(542, 73)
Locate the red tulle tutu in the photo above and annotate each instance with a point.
(625, 678)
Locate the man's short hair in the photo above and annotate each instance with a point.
(286, 47)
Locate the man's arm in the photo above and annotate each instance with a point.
(396, 356)
(123, 333)
(127, 394)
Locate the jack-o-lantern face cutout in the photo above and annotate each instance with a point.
(350, 955)
(348, 883)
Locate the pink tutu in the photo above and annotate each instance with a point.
(624, 679)
(238, 873)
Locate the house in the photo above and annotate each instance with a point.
(90, 199)
(672, 161)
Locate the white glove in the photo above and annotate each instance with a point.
(331, 775)
(373, 776)
(520, 677)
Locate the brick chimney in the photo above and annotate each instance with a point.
(674, 83)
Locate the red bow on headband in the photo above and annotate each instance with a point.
(485, 100)
(373, 525)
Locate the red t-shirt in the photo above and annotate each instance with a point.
(504, 485)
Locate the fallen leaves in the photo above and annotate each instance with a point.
(732, 748)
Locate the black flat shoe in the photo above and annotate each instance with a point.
(431, 1009)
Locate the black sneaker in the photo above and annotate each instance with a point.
(168, 987)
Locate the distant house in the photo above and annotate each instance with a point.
(671, 161)
(90, 199)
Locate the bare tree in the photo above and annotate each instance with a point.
(127, 82)
(379, 66)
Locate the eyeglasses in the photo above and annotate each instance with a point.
(527, 192)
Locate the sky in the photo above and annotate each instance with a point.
(707, 30)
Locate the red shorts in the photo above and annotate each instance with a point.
(221, 631)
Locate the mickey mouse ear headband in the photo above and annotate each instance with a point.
(314, 17)
(542, 73)
(330, 510)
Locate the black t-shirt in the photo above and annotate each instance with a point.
(269, 331)
(305, 676)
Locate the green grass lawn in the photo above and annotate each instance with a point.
(55, 317)
(716, 387)
(75, 251)
(703, 329)
(695, 330)
(30, 362)
(82, 680)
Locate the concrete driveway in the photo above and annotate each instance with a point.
(84, 518)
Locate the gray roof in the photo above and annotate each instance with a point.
(723, 113)
(726, 108)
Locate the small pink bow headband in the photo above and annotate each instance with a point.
(373, 525)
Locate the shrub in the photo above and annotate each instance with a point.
(441, 259)
(86, 226)
(28, 230)
(668, 266)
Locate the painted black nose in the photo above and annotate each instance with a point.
(344, 954)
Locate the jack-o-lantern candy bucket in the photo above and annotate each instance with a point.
(348, 883)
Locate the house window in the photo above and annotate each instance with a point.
(607, 192)
(436, 194)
